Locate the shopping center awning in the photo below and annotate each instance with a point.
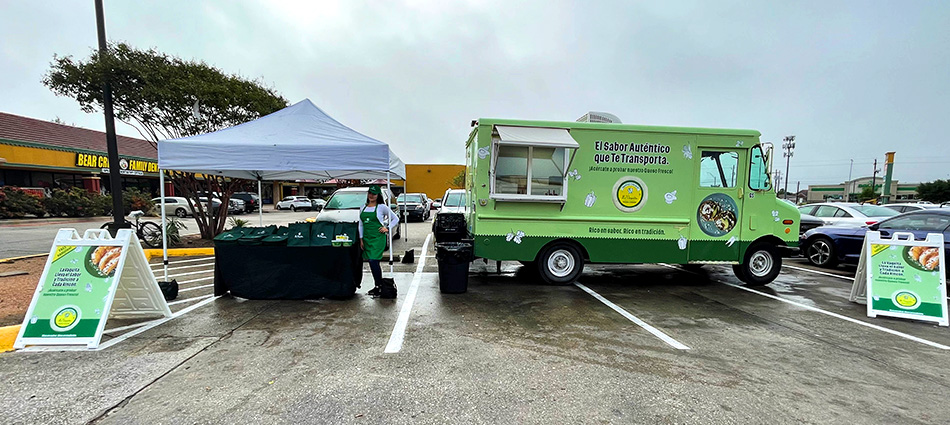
(297, 142)
(536, 136)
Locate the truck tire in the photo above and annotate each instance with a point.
(761, 266)
(560, 264)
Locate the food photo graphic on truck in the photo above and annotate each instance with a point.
(557, 195)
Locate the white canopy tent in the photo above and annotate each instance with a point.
(297, 142)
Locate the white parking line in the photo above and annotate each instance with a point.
(399, 331)
(196, 287)
(828, 313)
(184, 267)
(656, 332)
(818, 272)
(196, 280)
(187, 300)
(133, 326)
(142, 328)
(191, 273)
(173, 263)
(125, 336)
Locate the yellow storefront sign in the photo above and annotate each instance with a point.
(86, 160)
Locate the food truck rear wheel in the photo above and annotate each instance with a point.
(761, 266)
(560, 263)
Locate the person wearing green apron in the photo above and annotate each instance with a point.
(373, 233)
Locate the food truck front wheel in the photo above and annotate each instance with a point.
(560, 263)
(761, 266)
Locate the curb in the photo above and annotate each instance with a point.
(12, 259)
(8, 337)
(178, 252)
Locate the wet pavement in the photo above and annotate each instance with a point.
(509, 350)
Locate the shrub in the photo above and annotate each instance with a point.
(74, 202)
(237, 222)
(137, 199)
(172, 227)
(15, 203)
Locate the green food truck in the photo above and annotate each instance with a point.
(557, 195)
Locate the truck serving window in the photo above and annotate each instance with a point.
(529, 163)
(759, 171)
(718, 169)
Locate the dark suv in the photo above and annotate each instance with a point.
(251, 201)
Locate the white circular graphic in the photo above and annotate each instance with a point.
(65, 318)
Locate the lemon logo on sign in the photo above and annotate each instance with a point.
(630, 193)
(65, 318)
(906, 299)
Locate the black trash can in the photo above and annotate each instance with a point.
(453, 258)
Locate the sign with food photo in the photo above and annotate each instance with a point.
(906, 277)
(74, 291)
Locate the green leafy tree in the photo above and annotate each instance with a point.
(458, 182)
(867, 194)
(937, 191)
(165, 97)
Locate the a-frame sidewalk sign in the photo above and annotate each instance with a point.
(86, 281)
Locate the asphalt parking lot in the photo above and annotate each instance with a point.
(628, 344)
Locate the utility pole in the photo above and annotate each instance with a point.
(850, 184)
(874, 178)
(798, 189)
(788, 148)
(115, 178)
(777, 177)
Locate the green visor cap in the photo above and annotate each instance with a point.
(375, 189)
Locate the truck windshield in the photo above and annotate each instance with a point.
(346, 201)
(455, 199)
(403, 198)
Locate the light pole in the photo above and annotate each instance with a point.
(115, 178)
(850, 187)
(788, 148)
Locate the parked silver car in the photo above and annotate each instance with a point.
(847, 213)
(175, 205)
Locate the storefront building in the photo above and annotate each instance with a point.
(432, 179)
(40, 156)
(850, 191)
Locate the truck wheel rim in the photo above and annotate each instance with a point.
(819, 252)
(760, 264)
(561, 263)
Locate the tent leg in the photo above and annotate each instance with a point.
(389, 234)
(161, 188)
(260, 200)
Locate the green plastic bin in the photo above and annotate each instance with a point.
(298, 234)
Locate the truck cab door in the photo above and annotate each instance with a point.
(718, 203)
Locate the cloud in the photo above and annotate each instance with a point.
(851, 80)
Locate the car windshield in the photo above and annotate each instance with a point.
(875, 211)
(403, 198)
(346, 201)
(455, 199)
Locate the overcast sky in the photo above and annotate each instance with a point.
(851, 80)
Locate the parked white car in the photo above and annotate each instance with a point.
(344, 206)
(902, 208)
(847, 213)
(174, 205)
(295, 203)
